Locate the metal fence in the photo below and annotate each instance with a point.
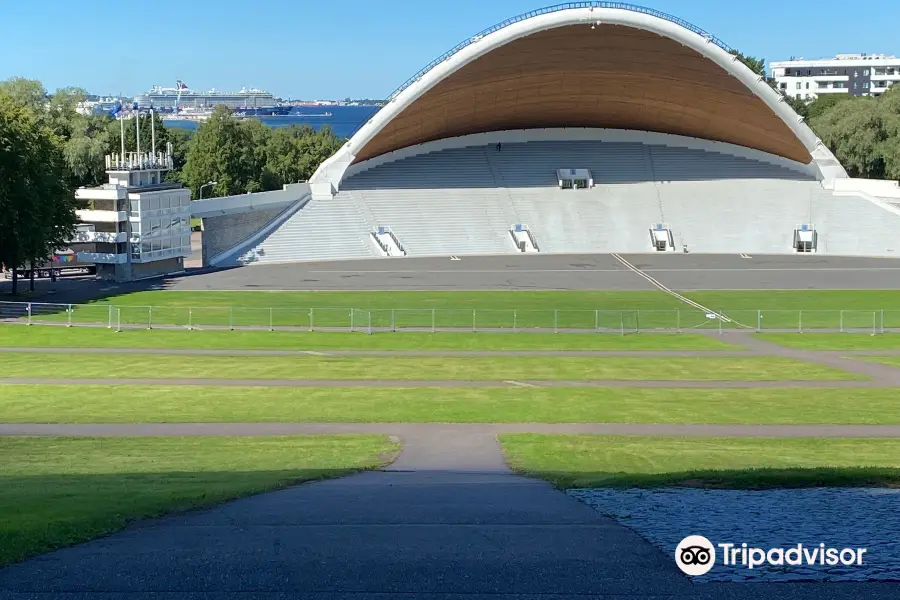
(442, 319)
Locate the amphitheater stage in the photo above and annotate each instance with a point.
(561, 272)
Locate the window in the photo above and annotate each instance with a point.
(807, 85)
(865, 85)
(866, 73)
(855, 86)
(799, 85)
(783, 86)
(798, 96)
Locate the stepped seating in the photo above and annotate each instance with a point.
(463, 201)
(740, 215)
(321, 230)
(851, 225)
(435, 222)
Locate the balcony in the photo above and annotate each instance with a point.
(102, 216)
(100, 236)
(102, 258)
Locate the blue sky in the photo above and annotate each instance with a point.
(302, 49)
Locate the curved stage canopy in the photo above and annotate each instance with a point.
(600, 65)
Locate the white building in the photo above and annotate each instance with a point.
(853, 74)
(136, 226)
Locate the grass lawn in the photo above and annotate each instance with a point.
(865, 300)
(580, 461)
(65, 337)
(129, 404)
(418, 368)
(524, 300)
(615, 310)
(60, 491)
(834, 341)
(892, 361)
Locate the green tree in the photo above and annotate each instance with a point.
(294, 153)
(219, 153)
(800, 106)
(821, 104)
(855, 132)
(37, 206)
(25, 92)
(757, 65)
(180, 139)
(258, 136)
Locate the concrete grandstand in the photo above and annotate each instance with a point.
(591, 127)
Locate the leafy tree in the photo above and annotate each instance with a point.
(37, 206)
(294, 153)
(757, 65)
(25, 92)
(258, 136)
(855, 132)
(219, 153)
(180, 139)
(821, 104)
(800, 106)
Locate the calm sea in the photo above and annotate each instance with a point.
(343, 120)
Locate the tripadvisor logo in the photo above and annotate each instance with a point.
(695, 555)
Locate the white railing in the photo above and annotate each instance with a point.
(132, 161)
(100, 236)
(104, 258)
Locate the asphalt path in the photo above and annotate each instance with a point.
(680, 272)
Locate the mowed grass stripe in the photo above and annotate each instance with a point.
(60, 491)
(418, 368)
(580, 461)
(834, 341)
(523, 300)
(63, 337)
(174, 404)
(891, 361)
(367, 300)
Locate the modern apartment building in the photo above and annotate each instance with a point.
(854, 74)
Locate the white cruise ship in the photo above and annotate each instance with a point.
(167, 99)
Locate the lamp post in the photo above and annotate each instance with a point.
(207, 184)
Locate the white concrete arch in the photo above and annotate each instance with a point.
(333, 170)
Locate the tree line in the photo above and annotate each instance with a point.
(48, 150)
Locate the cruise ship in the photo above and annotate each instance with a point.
(249, 101)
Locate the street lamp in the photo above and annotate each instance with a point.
(207, 184)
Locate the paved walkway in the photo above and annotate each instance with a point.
(446, 521)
